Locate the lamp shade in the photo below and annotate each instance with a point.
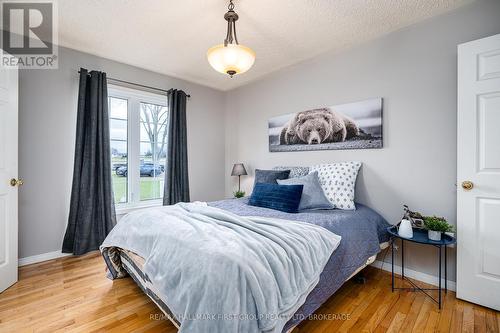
(231, 59)
(239, 170)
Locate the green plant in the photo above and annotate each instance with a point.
(437, 224)
(239, 194)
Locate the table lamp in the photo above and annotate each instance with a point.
(239, 170)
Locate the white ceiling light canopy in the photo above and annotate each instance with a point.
(231, 58)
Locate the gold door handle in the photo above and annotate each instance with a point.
(467, 185)
(16, 182)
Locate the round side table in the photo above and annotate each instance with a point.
(420, 237)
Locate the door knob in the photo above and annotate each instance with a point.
(467, 185)
(16, 182)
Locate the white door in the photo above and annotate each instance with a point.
(478, 196)
(8, 171)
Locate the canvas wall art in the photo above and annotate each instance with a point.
(347, 126)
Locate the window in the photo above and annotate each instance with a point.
(138, 133)
(153, 121)
(118, 114)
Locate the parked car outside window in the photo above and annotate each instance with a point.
(146, 169)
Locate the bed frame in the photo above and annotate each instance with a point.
(133, 265)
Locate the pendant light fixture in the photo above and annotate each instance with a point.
(231, 58)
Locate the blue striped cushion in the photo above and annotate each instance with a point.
(285, 198)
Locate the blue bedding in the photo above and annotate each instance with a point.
(362, 231)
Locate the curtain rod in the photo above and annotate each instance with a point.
(139, 85)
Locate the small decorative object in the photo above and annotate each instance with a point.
(405, 230)
(239, 170)
(415, 218)
(239, 194)
(231, 58)
(417, 223)
(360, 125)
(436, 226)
(434, 235)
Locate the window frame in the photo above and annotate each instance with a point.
(134, 99)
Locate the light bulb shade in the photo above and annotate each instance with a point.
(231, 59)
(239, 170)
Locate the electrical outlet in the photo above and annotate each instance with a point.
(396, 247)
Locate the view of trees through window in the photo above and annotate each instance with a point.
(153, 149)
(138, 132)
(118, 122)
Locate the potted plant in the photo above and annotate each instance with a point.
(436, 226)
(239, 194)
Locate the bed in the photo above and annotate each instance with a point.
(363, 233)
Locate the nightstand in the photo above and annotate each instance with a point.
(420, 237)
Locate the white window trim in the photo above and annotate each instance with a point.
(134, 98)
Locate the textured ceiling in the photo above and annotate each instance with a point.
(172, 37)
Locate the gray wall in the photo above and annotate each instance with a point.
(47, 120)
(414, 70)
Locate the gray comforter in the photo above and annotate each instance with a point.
(361, 230)
(221, 272)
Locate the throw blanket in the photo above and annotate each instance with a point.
(220, 272)
(361, 230)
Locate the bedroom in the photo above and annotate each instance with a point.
(398, 92)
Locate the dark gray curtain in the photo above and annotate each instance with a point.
(176, 169)
(92, 209)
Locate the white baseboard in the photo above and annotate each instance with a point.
(424, 277)
(41, 257)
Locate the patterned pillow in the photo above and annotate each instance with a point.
(338, 181)
(295, 172)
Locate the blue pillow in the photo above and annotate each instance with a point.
(313, 196)
(285, 198)
(270, 176)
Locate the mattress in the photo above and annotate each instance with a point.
(133, 264)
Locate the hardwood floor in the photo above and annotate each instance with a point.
(72, 294)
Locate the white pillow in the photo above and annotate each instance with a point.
(338, 181)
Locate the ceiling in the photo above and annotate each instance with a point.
(172, 37)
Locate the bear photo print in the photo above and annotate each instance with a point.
(347, 126)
